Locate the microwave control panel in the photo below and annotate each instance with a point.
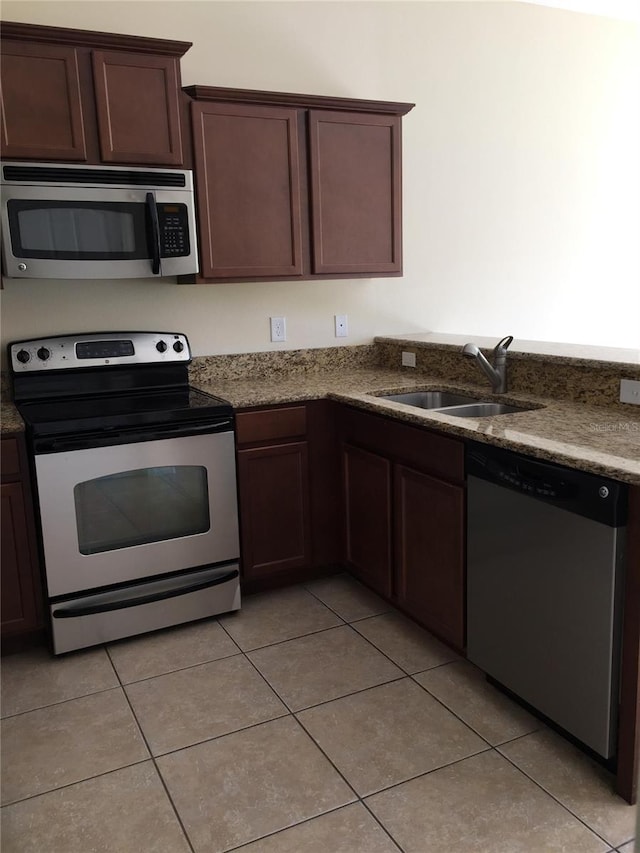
(174, 230)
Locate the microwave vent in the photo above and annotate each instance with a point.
(93, 177)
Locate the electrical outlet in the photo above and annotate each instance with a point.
(408, 359)
(342, 325)
(278, 328)
(630, 391)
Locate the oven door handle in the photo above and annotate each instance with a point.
(104, 603)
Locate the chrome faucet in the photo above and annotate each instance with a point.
(498, 373)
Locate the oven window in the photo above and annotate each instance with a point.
(141, 506)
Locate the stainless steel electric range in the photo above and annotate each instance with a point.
(135, 480)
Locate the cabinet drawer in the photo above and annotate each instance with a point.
(9, 459)
(270, 424)
(427, 451)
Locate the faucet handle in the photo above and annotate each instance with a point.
(503, 345)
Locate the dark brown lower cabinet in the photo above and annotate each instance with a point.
(429, 552)
(21, 585)
(274, 508)
(367, 495)
(288, 484)
(404, 534)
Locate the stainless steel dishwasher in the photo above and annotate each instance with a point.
(545, 558)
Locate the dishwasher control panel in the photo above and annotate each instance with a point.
(588, 494)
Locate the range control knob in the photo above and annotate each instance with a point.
(23, 356)
(43, 353)
(161, 346)
(178, 346)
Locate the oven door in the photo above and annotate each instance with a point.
(126, 512)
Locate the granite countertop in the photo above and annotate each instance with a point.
(10, 420)
(591, 438)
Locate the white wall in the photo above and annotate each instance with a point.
(521, 171)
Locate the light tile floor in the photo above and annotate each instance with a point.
(316, 720)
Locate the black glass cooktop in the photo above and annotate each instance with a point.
(113, 411)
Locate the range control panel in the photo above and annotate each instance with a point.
(99, 349)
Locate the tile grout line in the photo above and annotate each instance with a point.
(301, 823)
(490, 747)
(292, 713)
(71, 784)
(555, 798)
(266, 681)
(358, 797)
(456, 715)
(496, 748)
(288, 639)
(60, 702)
(153, 759)
(357, 618)
(180, 669)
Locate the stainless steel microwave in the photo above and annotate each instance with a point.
(61, 221)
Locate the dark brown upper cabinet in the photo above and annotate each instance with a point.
(137, 108)
(296, 186)
(76, 95)
(41, 103)
(356, 193)
(248, 182)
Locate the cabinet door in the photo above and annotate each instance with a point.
(19, 604)
(137, 108)
(367, 491)
(274, 508)
(248, 187)
(355, 168)
(429, 519)
(41, 107)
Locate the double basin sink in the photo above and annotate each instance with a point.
(450, 403)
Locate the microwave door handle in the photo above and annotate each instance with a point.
(155, 233)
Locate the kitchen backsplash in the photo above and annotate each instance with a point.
(579, 380)
(287, 362)
(576, 379)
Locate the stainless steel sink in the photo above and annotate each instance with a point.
(482, 410)
(430, 399)
(452, 403)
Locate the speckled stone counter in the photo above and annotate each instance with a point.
(10, 420)
(600, 439)
(576, 418)
(571, 377)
